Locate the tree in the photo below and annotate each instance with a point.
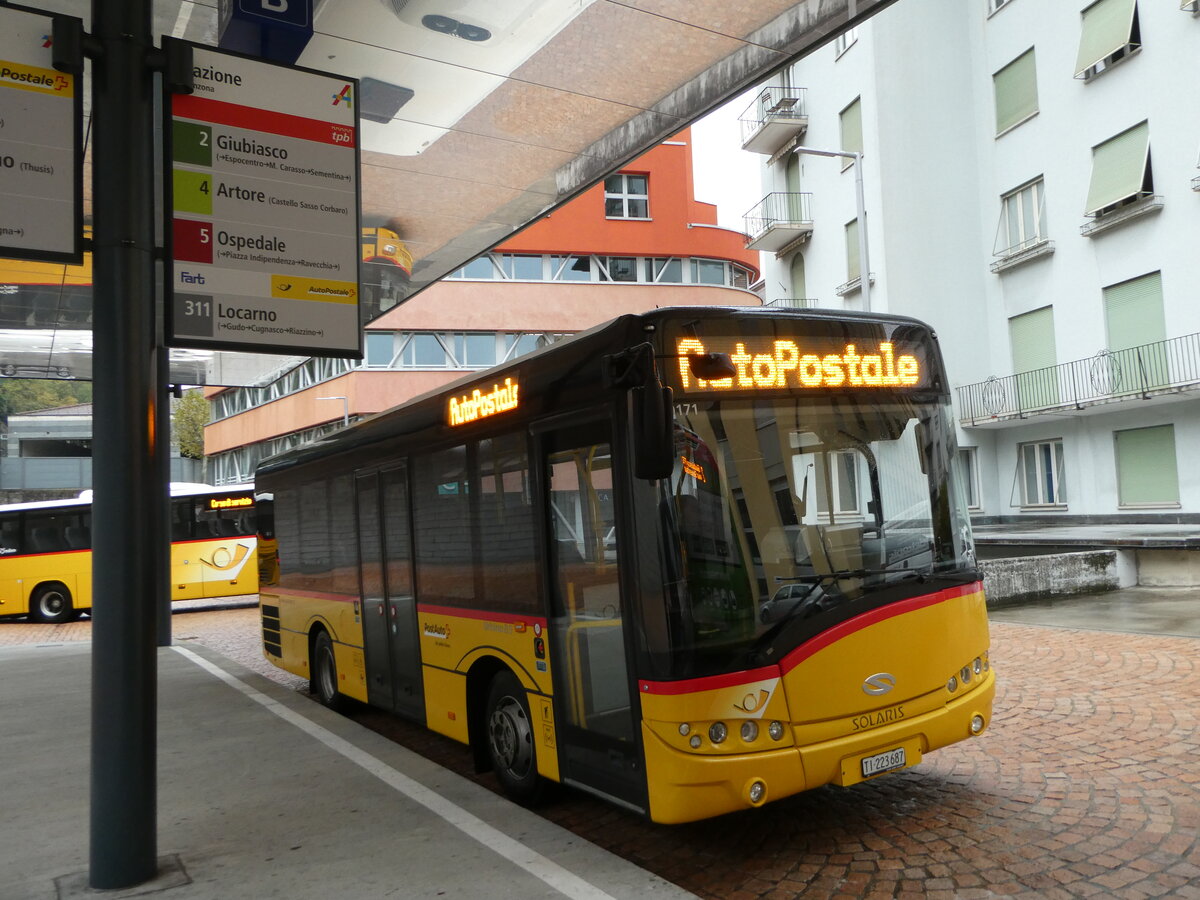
(191, 415)
(21, 395)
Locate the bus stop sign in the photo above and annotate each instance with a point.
(276, 30)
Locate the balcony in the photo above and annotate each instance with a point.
(776, 116)
(794, 302)
(779, 220)
(1111, 376)
(1123, 213)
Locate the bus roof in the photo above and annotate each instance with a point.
(178, 489)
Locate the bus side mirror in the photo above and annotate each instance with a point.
(652, 425)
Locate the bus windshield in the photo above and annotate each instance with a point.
(799, 510)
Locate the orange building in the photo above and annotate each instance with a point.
(638, 241)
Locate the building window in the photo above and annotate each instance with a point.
(379, 349)
(1109, 34)
(571, 268)
(1121, 172)
(1022, 219)
(1147, 473)
(618, 268)
(968, 475)
(520, 267)
(708, 271)
(1041, 472)
(1031, 336)
(626, 197)
(852, 132)
(853, 264)
(845, 41)
(1015, 88)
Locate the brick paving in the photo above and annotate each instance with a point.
(1086, 785)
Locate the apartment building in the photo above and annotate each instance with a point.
(637, 241)
(1028, 179)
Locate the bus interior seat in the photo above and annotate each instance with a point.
(78, 537)
(46, 539)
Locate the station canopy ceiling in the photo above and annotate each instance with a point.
(484, 115)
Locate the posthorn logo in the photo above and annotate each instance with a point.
(879, 683)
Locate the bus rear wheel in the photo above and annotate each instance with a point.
(510, 740)
(323, 681)
(51, 603)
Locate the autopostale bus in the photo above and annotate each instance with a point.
(692, 561)
(46, 556)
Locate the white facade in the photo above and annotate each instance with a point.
(935, 173)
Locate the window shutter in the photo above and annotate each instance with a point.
(1106, 28)
(1146, 467)
(852, 262)
(1119, 168)
(1133, 311)
(1032, 337)
(852, 137)
(1016, 91)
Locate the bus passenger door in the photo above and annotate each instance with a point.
(374, 612)
(596, 718)
(389, 609)
(408, 695)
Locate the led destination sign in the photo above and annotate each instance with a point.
(230, 502)
(481, 403)
(774, 364)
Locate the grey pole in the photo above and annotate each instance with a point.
(864, 258)
(127, 511)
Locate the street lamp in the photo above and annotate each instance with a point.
(345, 409)
(864, 260)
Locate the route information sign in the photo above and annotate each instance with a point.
(264, 207)
(41, 205)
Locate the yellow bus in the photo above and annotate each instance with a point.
(691, 561)
(46, 557)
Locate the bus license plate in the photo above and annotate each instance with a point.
(883, 762)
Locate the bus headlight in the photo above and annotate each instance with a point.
(749, 731)
(965, 674)
(775, 730)
(952, 684)
(685, 729)
(695, 742)
(977, 665)
(717, 732)
(977, 724)
(757, 791)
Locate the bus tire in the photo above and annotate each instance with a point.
(51, 603)
(323, 679)
(510, 740)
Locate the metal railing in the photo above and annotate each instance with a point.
(794, 302)
(773, 102)
(1110, 375)
(778, 209)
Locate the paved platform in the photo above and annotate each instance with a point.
(263, 793)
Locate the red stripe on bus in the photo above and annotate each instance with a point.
(219, 112)
(803, 652)
(708, 683)
(874, 617)
(481, 615)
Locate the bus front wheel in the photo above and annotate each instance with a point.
(510, 740)
(51, 603)
(323, 680)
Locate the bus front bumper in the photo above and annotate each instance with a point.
(686, 787)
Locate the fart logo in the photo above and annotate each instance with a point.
(344, 95)
(229, 560)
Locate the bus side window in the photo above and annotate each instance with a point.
(181, 519)
(10, 534)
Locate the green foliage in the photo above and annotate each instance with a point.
(191, 415)
(21, 395)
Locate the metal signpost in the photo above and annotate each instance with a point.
(264, 237)
(41, 150)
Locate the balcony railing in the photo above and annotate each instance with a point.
(778, 220)
(1109, 376)
(794, 302)
(776, 115)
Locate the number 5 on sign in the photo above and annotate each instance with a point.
(193, 240)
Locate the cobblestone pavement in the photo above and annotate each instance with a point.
(1087, 784)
